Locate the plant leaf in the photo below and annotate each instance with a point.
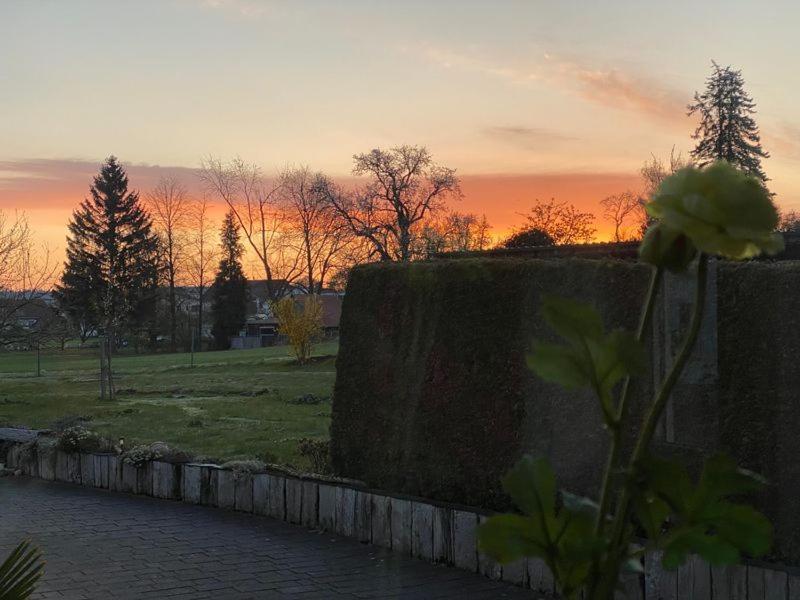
(20, 572)
(507, 538)
(571, 319)
(531, 484)
(561, 365)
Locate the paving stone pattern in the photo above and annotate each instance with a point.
(100, 545)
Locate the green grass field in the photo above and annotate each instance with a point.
(230, 405)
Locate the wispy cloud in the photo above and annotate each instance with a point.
(32, 183)
(783, 141)
(613, 88)
(526, 137)
(621, 90)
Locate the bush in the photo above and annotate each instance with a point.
(80, 439)
(142, 454)
(301, 326)
(318, 453)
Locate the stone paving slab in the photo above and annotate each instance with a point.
(111, 545)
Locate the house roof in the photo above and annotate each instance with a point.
(331, 312)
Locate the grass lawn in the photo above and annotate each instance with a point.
(232, 404)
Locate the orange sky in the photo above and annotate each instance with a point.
(532, 100)
(48, 190)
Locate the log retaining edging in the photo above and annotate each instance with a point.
(428, 530)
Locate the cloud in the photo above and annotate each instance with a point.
(621, 90)
(612, 88)
(526, 137)
(783, 141)
(36, 183)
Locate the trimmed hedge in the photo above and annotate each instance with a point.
(759, 385)
(433, 396)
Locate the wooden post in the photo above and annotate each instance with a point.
(38, 358)
(192, 359)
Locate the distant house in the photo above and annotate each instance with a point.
(25, 320)
(261, 329)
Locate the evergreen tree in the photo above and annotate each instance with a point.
(230, 294)
(110, 278)
(727, 129)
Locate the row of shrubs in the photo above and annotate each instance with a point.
(78, 438)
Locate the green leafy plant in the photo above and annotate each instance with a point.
(318, 453)
(646, 503)
(80, 439)
(20, 572)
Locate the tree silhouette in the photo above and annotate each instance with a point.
(563, 222)
(727, 130)
(527, 238)
(110, 278)
(229, 306)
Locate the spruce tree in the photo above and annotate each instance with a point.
(727, 129)
(110, 278)
(229, 291)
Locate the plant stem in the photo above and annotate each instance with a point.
(619, 417)
(613, 455)
(654, 414)
(657, 408)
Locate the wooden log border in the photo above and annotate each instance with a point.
(432, 531)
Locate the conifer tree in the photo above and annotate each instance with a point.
(110, 278)
(727, 129)
(230, 293)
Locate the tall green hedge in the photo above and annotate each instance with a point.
(759, 385)
(433, 396)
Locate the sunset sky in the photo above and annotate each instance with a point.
(525, 99)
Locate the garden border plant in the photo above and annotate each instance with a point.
(646, 503)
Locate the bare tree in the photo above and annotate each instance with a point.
(453, 232)
(562, 222)
(201, 255)
(320, 234)
(404, 186)
(26, 275)
(620, 209)
(169, 207)
(256, 209)
(653, 172)
(789, 222)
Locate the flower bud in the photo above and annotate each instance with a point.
(667, 248)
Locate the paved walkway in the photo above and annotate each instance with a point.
(107, 545)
